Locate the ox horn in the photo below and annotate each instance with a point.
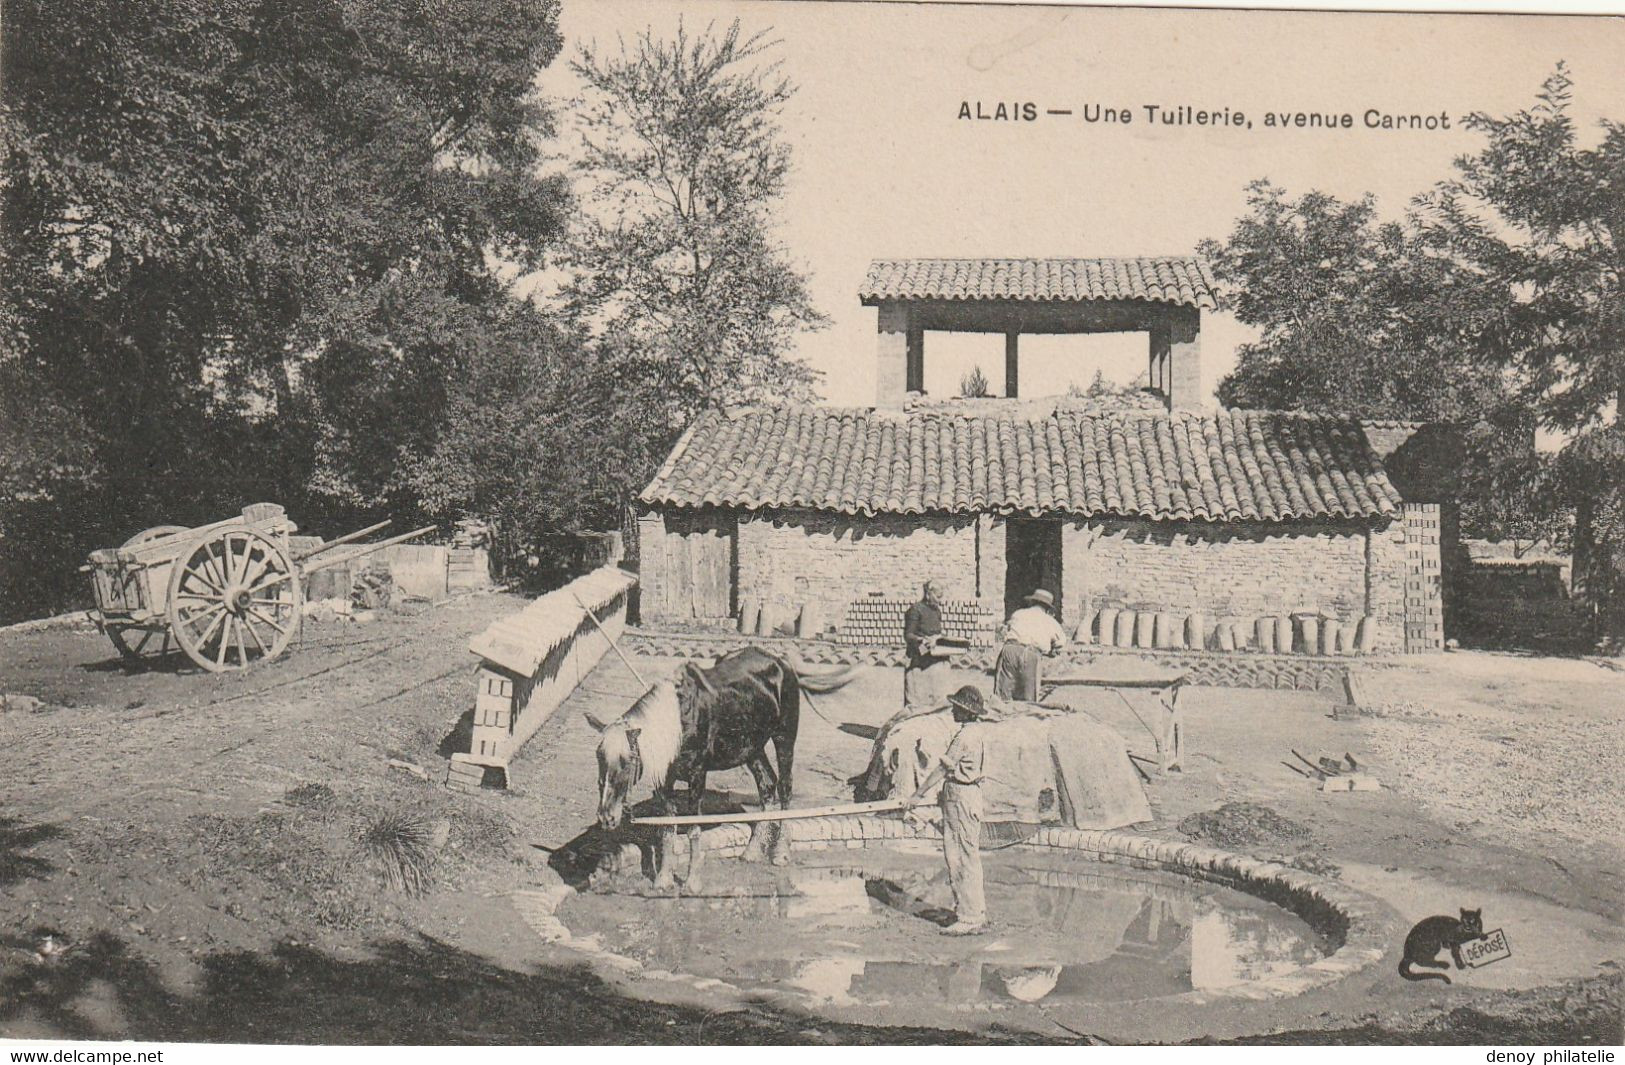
(701, 679)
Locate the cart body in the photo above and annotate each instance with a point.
(206, 589)
(227, 594)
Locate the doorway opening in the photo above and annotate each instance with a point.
(1032, 560)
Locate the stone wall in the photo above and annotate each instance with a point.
(792, 558)
(1243, 570)
(1388, 567)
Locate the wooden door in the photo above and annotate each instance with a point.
(700, 557)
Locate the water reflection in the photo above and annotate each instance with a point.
(865, 933)
(1235, 946)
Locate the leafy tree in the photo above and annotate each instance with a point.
(244, 242)
(546, 436)
(1536, 219)
(685, 161)
(1495, 303)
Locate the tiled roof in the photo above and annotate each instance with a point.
(1181, 466)
(1182, 280)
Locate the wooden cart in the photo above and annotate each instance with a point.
(227, 594)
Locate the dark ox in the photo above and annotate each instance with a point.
(703, 721)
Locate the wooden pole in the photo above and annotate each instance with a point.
(361, 551)
(345, 539)
(748, 817)
(612, 644)
(1011, 363)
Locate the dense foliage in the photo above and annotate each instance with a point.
(1538, 218)
(266, 250)
(247, 244)
(1357, 316)
(1495, 304)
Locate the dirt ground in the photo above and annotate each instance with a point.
(228, 858)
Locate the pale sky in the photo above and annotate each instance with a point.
(884, 168)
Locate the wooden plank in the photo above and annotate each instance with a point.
(654, 576)
(701, 548)
(722, 571)
(748, 817)
(682, 578)
(713, 558)
(1106, 680)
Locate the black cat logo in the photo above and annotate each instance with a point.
(1433, 934)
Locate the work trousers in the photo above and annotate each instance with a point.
(1015, 676)
(924, 679)
(961, 846)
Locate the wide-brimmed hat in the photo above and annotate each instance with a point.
(1042, 598)
(969, 699)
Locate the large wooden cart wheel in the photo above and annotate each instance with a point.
(233, 599)
(157, 532)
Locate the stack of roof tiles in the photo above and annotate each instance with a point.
(875, 622)
(1179, 280)
(1181, 466)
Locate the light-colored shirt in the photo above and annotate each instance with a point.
(1036, 627)
(966, 753)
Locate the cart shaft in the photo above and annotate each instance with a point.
(364, 549)
(348, 538)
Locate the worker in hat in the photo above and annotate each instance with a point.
(960, 772)
(1030, 632)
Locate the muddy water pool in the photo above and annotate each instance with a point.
(864, 927)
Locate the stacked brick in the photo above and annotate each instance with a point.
(1424, 604)
(1205, 668)
(467, 567)
(465, 774)
(879, 622)
(533, 660)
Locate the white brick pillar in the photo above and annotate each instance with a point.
(892, 361)
(1184, 360)
(1075, 591)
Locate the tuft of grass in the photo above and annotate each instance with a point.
(403, 844)
(317, 797)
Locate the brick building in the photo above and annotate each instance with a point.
(1159, 507)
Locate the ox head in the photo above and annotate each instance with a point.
(620, 765)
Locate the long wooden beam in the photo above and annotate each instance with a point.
(751, 816)
(625, 661)
(360, 551)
